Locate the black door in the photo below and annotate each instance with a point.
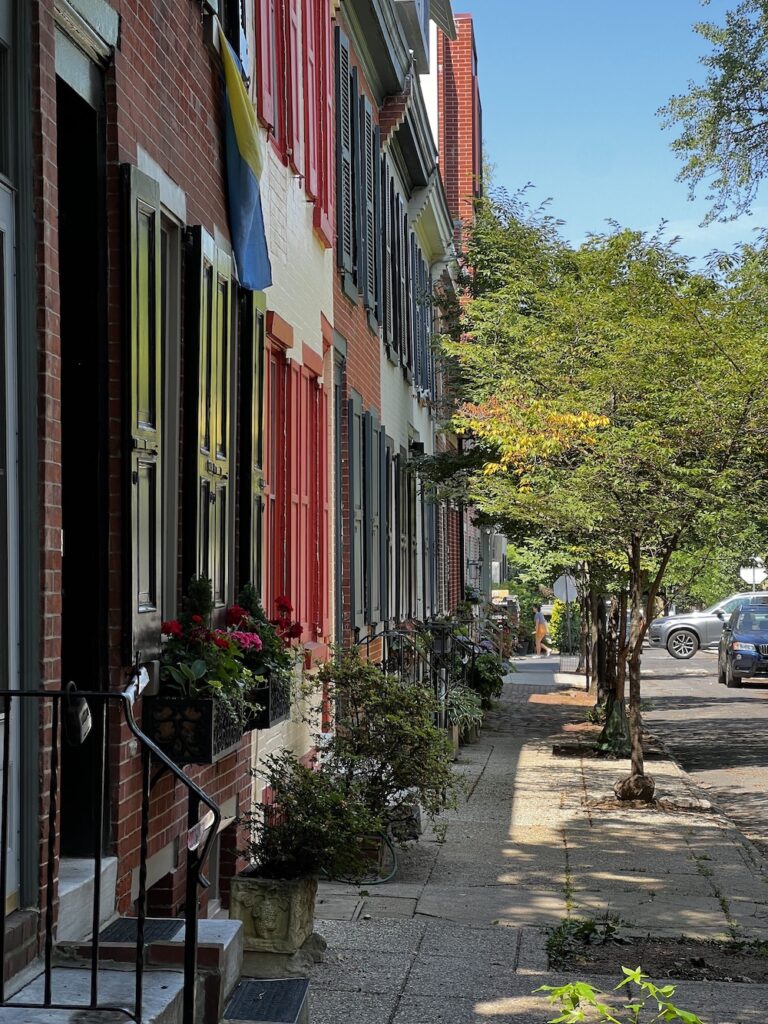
(82, 262)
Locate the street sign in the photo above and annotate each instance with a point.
(565, 588)
(755, 573)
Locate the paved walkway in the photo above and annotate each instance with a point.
(459, 934)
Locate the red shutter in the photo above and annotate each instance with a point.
(293, 445)
(324, 580)
(324, 209)
(293, 134)
(266, 69)
(311, 88)
(274, 481)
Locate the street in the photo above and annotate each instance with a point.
(718, 735)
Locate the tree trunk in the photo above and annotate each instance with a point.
(593, 638)
(614, 739)
(638, 785)
(583, 620)
(602, 655)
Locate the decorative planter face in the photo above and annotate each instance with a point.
(275, 706)
(277, 915)
(191, 730)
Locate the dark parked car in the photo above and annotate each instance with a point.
(683, 635)
(743, 650)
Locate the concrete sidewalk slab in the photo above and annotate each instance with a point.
(459, 935)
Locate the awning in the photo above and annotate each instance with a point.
(440, 12)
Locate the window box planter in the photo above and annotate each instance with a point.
(277, 914)
(191, 730)
(275, 703)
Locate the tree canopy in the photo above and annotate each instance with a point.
(723, 121)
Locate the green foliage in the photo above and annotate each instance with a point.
(463, 707)
(647, 1002)
(198, 599)
(386, 743)
(569, 938)
(723, 121)
(558, 627)
(313, 823)
(486, 679)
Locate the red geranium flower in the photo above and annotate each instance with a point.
(283, 604)
(236, 615)
(172, 628)
(294, 631)
(220, 639)
(197, 619)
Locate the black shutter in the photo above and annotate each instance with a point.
(413, 544)
(393, 270)
(370, 261)
(207, 547)
(377, 227)
(144, 404)
(416, 307)
(385, 520)
(385, 276)
(345, 217)
(356, 512)
(373, 517)
(251, 500)
(358, 183)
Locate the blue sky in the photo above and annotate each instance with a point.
(570, 92)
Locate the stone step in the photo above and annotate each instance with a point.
(76, 884)
(219, 952)
(162, 1003)
(275, 1001)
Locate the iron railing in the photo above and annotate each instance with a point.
(201, 833)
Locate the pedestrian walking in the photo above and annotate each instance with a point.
(540, 630)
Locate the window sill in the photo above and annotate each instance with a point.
(349, 287)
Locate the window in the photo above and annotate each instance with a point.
(145, 333)
(234, 22)
(209, 524)
(252, 368)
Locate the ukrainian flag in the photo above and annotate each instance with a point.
(244, 167)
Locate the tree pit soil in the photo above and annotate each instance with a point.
(682, 959)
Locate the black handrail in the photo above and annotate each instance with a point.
(196, 856)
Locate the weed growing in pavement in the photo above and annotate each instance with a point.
(647, 1002)
(439, 830)
(573, 934)
(596, 714)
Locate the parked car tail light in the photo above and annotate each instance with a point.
(737, 645)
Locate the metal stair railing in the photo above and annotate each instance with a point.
(201, 833)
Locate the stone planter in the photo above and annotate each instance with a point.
(471, 734)
(453, 736)
(277, 914)
(191, 730)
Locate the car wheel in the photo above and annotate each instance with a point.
(731, 681)
(720, 674)
(683, 644)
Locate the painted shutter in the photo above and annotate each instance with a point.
(385, 285)
(372, 518)
(413, 544)
(251, 452)
(356, 512)
(293, 133)
(144, 329)
(312, 111)
(402, 271)
(275, 471)
(345, 222)
(370, 239)
(266, 66)
(323, 216)
(208, 413)
(385, 520)
(416, 307)
(296, 540)
(324, 518)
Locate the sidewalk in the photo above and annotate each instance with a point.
(459, 934)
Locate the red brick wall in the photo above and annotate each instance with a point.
(458, 117)
(162, 94)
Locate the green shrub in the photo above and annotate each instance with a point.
(558, 627)
(463, 707)
(486, 679)
(646, 1003)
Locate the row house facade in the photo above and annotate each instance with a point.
(167, 412)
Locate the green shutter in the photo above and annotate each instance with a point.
(373, 518)
(144, 407)
(356, 512)
(251, 503)
(345, 217)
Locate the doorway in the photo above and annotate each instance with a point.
(84, 420)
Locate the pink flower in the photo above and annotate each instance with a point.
(247, 641)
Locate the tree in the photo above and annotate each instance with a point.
(617, 400)
(724, 121)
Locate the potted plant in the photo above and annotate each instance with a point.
(272, 660)
(308, 823)
(386, 744)
(203, 703)
(486, 679)
(464, 711)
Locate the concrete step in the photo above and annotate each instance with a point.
(162, 1002)
(76, 882)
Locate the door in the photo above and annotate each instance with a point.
(9, 575)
